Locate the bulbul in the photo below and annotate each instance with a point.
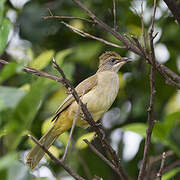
(98, 92)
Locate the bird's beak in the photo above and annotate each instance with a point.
(126, 59)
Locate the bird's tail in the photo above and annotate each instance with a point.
(36, 153)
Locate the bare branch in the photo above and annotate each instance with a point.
(159, 174)
(84, 34)
(66, 17)
(57, 161)
(108, 28)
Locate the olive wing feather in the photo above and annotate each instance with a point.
(83, 88)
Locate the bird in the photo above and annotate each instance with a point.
(98, 92)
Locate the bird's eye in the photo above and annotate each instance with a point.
(113, 60)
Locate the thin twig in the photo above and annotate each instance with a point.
(166, 169)
(108, 28)
(153, 160)
(114, 13)
(151, 121)
(66, 17)
(84, 34)
(101, 156)
(57, 161)
(159, 174)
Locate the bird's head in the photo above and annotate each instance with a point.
(111, 61)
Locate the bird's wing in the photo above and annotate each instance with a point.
(83, 88)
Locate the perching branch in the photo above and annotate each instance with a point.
(92, 123)
(87, 114)
(57, 161)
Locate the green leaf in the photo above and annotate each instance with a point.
(4, 33)
(9, 70)
(42, 60)
(61, 55)
(1, 10)
(80, 144)
(7, 160)
(26, 110)
(10, 96)
(139, 128)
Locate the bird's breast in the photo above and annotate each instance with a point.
(103, 95)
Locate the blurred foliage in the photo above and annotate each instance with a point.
(27, 102)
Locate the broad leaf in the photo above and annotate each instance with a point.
(80, 144)
(1, 10)
(42, 60)
(27, 110)
(9, 70)
(4, 33)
